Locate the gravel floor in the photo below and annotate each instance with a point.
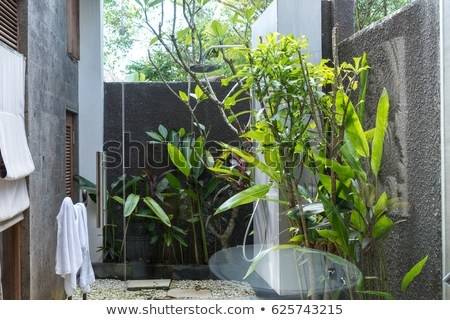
(116, 290)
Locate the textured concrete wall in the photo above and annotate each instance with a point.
(403, 52)
(52, 86)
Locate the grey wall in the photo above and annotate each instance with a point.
(52, 86)
(404, 56)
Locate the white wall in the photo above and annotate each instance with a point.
(297, 17)
(445, 118)
(91, 103)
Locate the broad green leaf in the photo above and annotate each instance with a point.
(217, 29)
(326, 183)
(173, 181)
(382, 227)
(358, 221)
(118, 199)
(131, 204)
(178, 159)
(298, 239)
(381, 205)
(382, 122)
(354, 132)
(156, 208)
(343, 171)
(413, 273)
(328, 234)
(250, 159)
(369, 134)
(244, 197)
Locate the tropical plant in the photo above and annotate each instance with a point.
(196, 190)
(307, 125)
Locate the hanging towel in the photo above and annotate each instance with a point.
(13, 198)
(12, 81)
(69, 255)
(16, 162)
(86, 275)
(14, 147)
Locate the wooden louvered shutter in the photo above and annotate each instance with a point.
(9, 28)
(69, 154)
(73, 29)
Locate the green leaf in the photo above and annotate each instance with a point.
(199, 94)
(178, 159)
(244, 197)
(155, 136)
(343, 171)
(381, 205)
(118, 199)
(217, 29)
(250, 159)
(382, 227)
(156, 208)
(369, 134)
(413, 273)
(358, 221)
(354, 132)
(382, 122)
(183, 96)
(363, 77)
(163, 131)
(328, 234)
(131, 204)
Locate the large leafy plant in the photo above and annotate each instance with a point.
(195, 190)
(312, 145)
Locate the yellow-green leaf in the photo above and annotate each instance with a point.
(156, 208)
(413, 273)
(244, 197)
(380, 132)
(178, 159)
(183, 96)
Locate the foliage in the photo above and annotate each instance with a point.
(119, 32)
(369, 11)
(310, 122)
(167, 69)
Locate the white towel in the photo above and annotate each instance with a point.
(86, 275)
(14, 147)
(12, 81)
(69, 255)
(13, 198)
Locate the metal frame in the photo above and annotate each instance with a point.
(445, 143)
